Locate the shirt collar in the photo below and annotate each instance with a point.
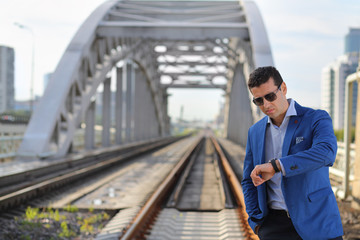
(291, 111)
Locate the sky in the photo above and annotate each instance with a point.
(305, 36)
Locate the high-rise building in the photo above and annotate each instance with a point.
(7, 90)
(334, 80)
(352, 41)
(333, 88)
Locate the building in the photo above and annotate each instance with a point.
(7, 89)
(352, 41)
(334, 80)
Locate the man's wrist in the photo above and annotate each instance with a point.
(275, 164)
(278, 164)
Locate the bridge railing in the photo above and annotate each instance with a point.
(79, 141)
(339, 166)
(10, 144)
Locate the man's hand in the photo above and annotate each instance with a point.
(262, 173)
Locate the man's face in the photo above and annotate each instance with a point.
(276, 109)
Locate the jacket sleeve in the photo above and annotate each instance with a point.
(322, 151)
(250, 191)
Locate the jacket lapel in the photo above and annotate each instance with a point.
(262, 138)
(294, 122)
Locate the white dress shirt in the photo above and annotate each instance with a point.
(273, 149)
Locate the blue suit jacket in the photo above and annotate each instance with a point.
(309, 149)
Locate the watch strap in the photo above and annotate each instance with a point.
(273, 163)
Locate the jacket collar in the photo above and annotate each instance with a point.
(294, 122)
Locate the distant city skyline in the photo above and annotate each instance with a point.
(334, 76)
(304, 36)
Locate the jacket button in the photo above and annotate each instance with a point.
(293, 167)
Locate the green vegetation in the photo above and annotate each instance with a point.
(91, 209)
(65, 231)
(218, 132)
(49, 223)
(340, 135)
(17, 113)
(178, 132)
(71, 208)
(18, 116)
(87, 223)
(31, 213)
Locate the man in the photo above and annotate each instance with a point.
(286, 182)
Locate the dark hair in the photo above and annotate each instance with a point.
(262, 75)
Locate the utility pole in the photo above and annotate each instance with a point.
(32, 64)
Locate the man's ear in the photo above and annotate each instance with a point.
(284, 88)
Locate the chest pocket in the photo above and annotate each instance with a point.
(300, 143)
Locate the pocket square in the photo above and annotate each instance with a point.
(299, 139)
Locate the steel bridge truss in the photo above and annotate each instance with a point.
(134, 51)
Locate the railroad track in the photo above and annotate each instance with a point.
(18, 188)
(147, 206)
(179, 209)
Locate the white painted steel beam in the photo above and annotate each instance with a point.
(221, 86)
(139, 105)
(106, 113)
(203, 54)
(90, 127)
(239, 108)
(195, 74)
(119, 105)
(192, 64)
(129, 103)
(347, 130)
(172, 31)
(261, 49)
(172, 7)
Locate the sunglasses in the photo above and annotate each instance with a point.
(270, 97)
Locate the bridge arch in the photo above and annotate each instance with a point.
(143, 41)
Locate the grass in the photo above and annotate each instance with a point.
(54, 224)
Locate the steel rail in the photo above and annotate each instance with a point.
(237, 190)
(181, 182)
(150, 210)
(152, 206)
(12, 182)
(17, 197)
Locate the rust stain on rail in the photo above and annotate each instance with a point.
(237, 190)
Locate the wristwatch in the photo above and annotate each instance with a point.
(273, 163)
